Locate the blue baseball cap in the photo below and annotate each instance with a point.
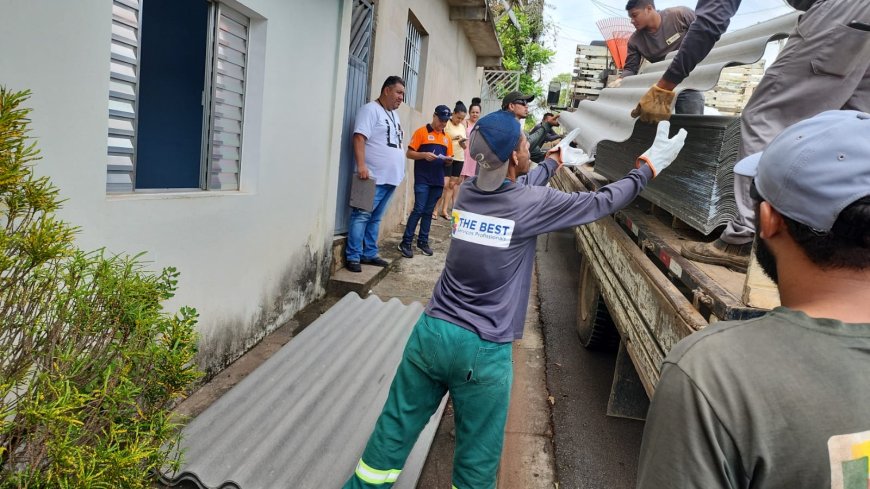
(814, 169)
(443, 112)
(493, 139)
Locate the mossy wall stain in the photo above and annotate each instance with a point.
(301, 283)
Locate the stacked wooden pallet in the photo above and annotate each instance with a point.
(736, 85)
(591, 61)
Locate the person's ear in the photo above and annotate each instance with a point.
(515, 158)
(770, 221)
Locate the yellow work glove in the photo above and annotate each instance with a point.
(655, 105)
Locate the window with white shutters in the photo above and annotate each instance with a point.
(124, 67)
(227, 100)
(167, 102)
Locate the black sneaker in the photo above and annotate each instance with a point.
(424, 247)
(376, 261)
(353, 266)
(406, 250)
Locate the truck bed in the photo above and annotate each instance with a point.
(655, 296)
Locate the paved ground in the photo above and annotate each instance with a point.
(592, 450)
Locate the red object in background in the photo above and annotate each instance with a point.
(619, 50)
(616, 31)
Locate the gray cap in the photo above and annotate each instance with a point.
(814, 169)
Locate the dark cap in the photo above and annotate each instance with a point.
(513, 97)
(443, 112)
(814, 169)
(492, 140)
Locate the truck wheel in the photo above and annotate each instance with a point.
(594, 324)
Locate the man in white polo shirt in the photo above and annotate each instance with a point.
(377, 150)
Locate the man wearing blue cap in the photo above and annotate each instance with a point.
(430, 148)
(782, 400)
(462, 342)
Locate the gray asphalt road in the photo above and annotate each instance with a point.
(592, 450)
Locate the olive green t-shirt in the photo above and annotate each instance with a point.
(780, 401)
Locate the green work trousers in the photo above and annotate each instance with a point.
(439, 357)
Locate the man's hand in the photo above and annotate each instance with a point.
(655, 105)
(564, 154)
(555, 154)
(663, 150)
(430, 156)
(615, 83)
(362, 171)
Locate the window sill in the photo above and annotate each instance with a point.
(167, 194)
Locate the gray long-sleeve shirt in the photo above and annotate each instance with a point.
(712, 20)
(486, 280)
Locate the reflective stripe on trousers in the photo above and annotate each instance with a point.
(374, 476)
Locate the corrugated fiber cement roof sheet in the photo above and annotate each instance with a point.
(301, 420)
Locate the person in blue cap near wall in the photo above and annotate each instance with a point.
(782, 400)
(462, 342)
(431, 149)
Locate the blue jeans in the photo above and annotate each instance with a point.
(425, 198)
(690, 102)
(362, 234)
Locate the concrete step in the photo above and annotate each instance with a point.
(344, 281)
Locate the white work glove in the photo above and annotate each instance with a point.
(615, 83)
(663, 150)
(572, 156)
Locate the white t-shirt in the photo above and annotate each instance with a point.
(385, 157)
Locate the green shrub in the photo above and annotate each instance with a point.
(90, 364)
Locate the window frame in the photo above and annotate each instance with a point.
(412, 61)
(222, 118)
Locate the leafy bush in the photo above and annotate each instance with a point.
(90, 364)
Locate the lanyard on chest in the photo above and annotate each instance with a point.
(391, 119)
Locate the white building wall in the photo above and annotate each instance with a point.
(250, 259)
(449, 74)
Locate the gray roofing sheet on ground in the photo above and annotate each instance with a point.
(608, 117)
(301, 420)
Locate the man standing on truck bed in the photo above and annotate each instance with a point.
(658, 33)
(462, 342)
(824, 66)
(782, 401)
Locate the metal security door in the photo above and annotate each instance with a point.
(356, 95)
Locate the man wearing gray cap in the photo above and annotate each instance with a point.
(825, 65)
(782, 400)
(462, 342)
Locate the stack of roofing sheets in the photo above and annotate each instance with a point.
(698, 187)
(302, 419)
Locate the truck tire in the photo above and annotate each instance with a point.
(594, 324)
